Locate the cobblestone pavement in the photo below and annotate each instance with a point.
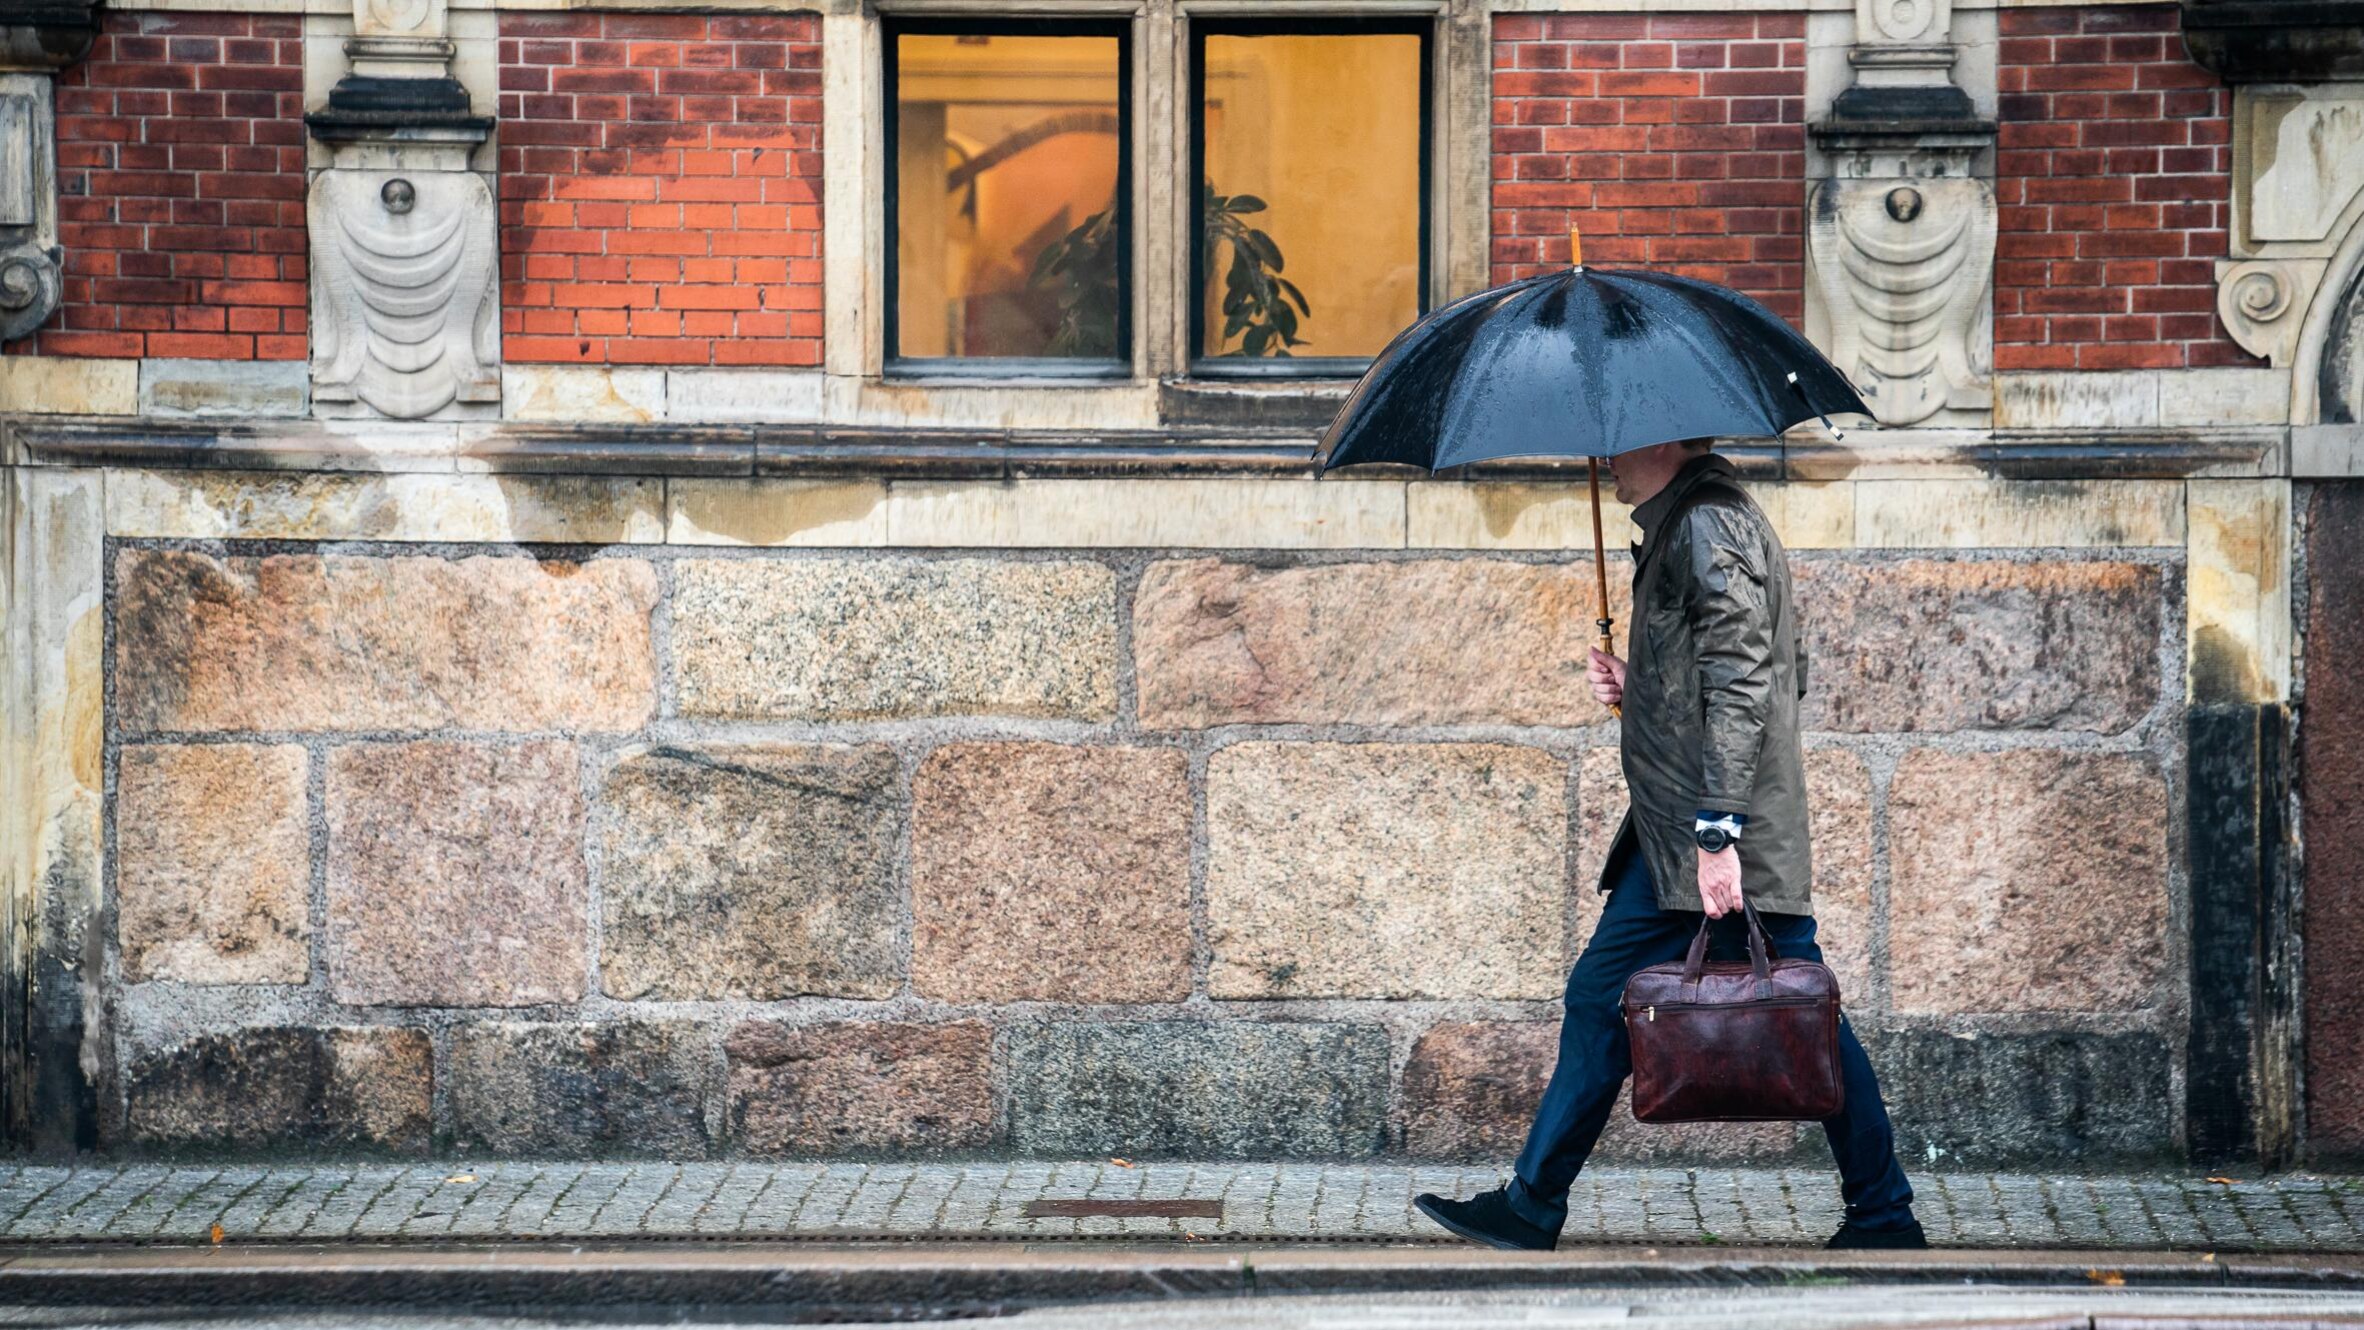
(1264, 1202)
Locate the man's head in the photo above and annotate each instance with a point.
(1643, 472)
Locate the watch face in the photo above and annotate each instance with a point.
(1714, 839)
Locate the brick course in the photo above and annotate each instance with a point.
(2114, 175)
(660, 188)
(1672, 141)
(180, 153)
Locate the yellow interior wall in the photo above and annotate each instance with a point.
(1326, 130)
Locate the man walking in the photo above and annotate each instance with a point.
(1715, 776)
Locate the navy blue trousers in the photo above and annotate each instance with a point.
(1595, 1060)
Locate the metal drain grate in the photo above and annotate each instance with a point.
(1089, 1209)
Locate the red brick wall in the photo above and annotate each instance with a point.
(1672, 141)
(2115, 176)
(180, 146)
(660, 188)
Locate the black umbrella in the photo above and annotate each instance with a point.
(1586, 362)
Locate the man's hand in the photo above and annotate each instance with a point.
(1719, 882)
(1606, 674)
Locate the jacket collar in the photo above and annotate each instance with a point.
(1653, 512)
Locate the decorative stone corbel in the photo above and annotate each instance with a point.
(30, 259)
(1900, 240)
(36, 41)
(2263, 303)
(1905, 269)
(405, 305)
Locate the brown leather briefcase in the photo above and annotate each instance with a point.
(1729, 1042)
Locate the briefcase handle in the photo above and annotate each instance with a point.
(1760, 949)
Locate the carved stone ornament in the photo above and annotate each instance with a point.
(1905, 269)
(1923, 22)
(30, 259)
(2263, 303)
(404, 314)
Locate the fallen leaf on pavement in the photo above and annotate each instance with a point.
(461, 1177)
(217, 1235)
(2226, 1181)
(2107, 1278)
(1121, 1163)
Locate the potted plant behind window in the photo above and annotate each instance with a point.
(1260, 307)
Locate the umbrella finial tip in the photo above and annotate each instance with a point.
(1575, 248)
(1793, 376)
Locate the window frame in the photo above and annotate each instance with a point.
(1197, 364)
(997, 369)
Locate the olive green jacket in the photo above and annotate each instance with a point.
(1713, 677)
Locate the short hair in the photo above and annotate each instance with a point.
(1698, 445)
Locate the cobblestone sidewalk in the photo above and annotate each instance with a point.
(1265, 1202)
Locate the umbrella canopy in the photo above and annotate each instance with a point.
(1585, 362)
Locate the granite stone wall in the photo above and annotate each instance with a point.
(651, 850)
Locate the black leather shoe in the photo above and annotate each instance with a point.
(1851, 1238)
(1488, 1218)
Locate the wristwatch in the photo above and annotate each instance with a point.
(1715, 834)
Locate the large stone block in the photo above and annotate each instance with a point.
(2331, 789)
(1050, 872)
(1171, 1089)
(1471, 1087)
(213, 863)
(1152, 513)
(1923, 512)
(844, 639)
(285, 1088)
(302, 642)
(376, 500)
(860, 1087)
(1927, 645)
(1839, 817)
(1427, 642)
(625, 1090)
(2026, 881)
(1987, 1099)
(1386, 870)
(455, 874)
(750, 873)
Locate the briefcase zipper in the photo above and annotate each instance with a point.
(1650, 1013)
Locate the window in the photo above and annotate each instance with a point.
(1312, 186)
(1010, 197)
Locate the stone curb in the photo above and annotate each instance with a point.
(850, 1279)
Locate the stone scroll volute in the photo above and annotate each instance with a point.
(1904, 270)
(404, 311)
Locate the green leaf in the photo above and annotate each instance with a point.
(1266, 252)
(1245, 203)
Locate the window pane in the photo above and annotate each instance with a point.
(1311, 240)
(1005, 197)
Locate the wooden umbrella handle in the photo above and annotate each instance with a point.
(1600, 567)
